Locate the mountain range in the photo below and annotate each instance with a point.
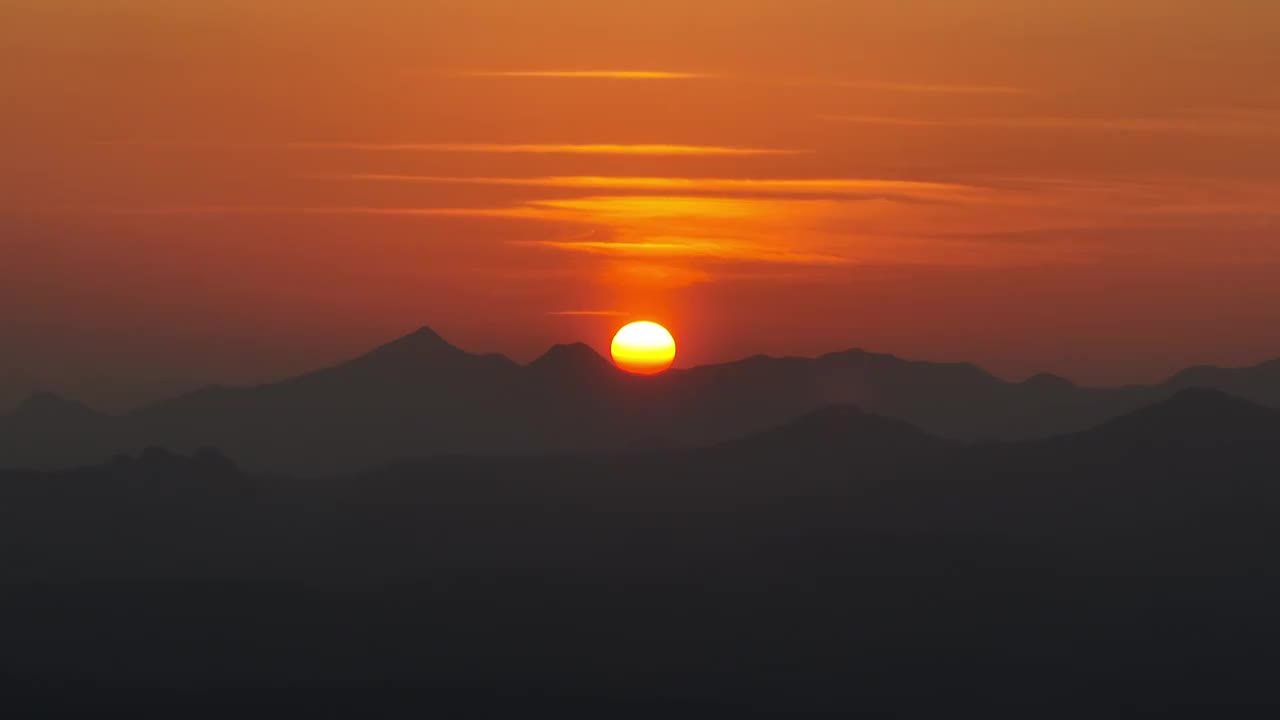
(420, 396)
(839, 562)
(103, 392)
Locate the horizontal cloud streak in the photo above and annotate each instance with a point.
(546, 149)
(672, 247)
(1208, 124)
(587, 313)
(178, 210)
(589, 74)
(932, 89)
(625, 149)
(628, 209)
(825, 186)
(877, 86)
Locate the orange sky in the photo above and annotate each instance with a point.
(242, 189)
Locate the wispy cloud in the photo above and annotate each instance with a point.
(651, 149)
(628, 210)
(925, 88)
(588, 74)
(196, 210)
(860, 187)
(545, 149)
(1201, 123)
(661, 230)
(654, 275)
(587, 313)
(675, 246)
(931, 88)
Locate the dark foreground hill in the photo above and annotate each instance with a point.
(844, 562)
(420, 396)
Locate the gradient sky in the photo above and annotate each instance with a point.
(241, 189)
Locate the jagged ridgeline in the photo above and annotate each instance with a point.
(420, 396)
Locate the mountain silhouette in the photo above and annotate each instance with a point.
(50, 407)
(47, 430)
(421, 352)
(1201, 463)
(562, 360)
(1048, 382)
(1260, 383)
(842, 433)
(16, 386)
(101, 392)
(1007, 571)
(1194, 418)
(420, 396)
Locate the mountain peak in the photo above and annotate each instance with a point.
(850, 354)
(1213, 375)
(51, 404)
(1195, 376)
(571, 356)
(1048, 381)
(421, 343)
(1200, 400)
(1195, 417)
(424, 336)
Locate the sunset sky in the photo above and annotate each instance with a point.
(237, 190)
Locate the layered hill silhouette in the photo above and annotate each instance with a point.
(421, 396)
(1200, 464)
(840, 561)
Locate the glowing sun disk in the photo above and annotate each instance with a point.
(643, 348)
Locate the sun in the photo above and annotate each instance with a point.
(643, 348)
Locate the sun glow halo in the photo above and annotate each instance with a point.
(643, 348)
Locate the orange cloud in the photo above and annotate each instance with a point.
(590, 74)
(547, 149)
(652, 275)
(1199, 123)
(866, 187)
(632, 208)
(299, 210)
(673, 246)
(933, 89)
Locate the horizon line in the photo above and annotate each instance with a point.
(685, 368)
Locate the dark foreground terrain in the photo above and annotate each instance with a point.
(844, 562)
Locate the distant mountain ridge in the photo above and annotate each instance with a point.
(420, 396)
(861, 551)
(101, 392)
